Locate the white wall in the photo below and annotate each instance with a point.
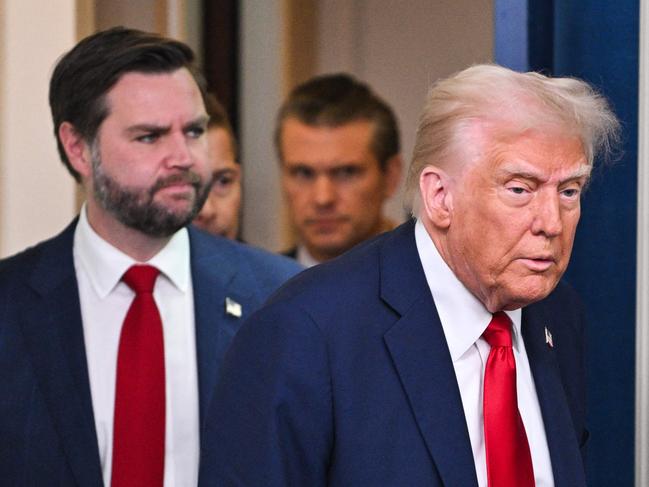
(37, 195)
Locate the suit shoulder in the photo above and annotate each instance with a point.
(351, 278)
(265, 263)
(22, 263)
(269, 270)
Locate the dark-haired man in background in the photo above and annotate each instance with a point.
(338, 146)
(220, 213)
(111, 333)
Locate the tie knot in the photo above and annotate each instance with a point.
(141, 278)
(499, 331)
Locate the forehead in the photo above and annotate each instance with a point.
(541, 152)
(156, 96)
(324, 145)
(220, 142)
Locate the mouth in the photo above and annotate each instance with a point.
(538, 263)
(178, 184)
(325, 224)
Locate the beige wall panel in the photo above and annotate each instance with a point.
(147, 15)
(300, 37)
(261, 94)
(36, 192)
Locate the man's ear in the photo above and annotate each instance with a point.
(436, 196)
(392, 173)
(76, 148)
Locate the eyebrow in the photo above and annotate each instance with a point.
(163, 129)
(509, 171)
(201, 121)
(334, 165)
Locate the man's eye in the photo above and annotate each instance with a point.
(148, 138)
(517, 189)
(570, 192)
(346, 172)
(195, 132)
(223, 181)
(303, 173)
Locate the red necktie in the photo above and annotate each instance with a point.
(509, 463)
(139, 421)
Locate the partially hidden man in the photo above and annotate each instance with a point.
(339, 156)
(446, 352)
(112, 332)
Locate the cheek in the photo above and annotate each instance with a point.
(365, 196)
(293, 190)
(231, 203)
(566, 245)
(236, 198)
(298, 198)
(201, 157)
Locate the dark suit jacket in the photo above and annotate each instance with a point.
(292, 253)
(344, 378)
(47, 432)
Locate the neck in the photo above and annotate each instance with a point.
(382, 225)
(132, 242)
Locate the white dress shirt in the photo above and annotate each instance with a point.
(304, 258)
(104, 302)
(464, 318)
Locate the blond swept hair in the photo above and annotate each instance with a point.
(511, 102)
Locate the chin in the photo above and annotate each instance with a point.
(521, 299)
(331, 251)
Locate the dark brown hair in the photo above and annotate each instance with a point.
(219, 119)
(335, 100)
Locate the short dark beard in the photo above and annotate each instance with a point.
(137, 209)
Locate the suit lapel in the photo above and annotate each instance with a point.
(217, 273)
(559, 429)
(53, 333)
(418, 348)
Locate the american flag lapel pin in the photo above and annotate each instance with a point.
(233, 308)
(548, 338)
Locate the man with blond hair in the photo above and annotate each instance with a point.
(448, 351)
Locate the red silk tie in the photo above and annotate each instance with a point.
(509, 463)
(139, 421)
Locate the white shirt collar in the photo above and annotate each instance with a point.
(305, 258)
(464, 318)
(106, 264)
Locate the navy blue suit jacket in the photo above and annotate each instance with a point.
(47, 432)
(345, 379)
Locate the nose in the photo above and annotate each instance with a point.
(179, 153)
(324, 192)
(547, 219)
(207, 213)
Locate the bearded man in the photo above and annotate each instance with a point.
(111, 333)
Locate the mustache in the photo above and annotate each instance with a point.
(188, 177)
